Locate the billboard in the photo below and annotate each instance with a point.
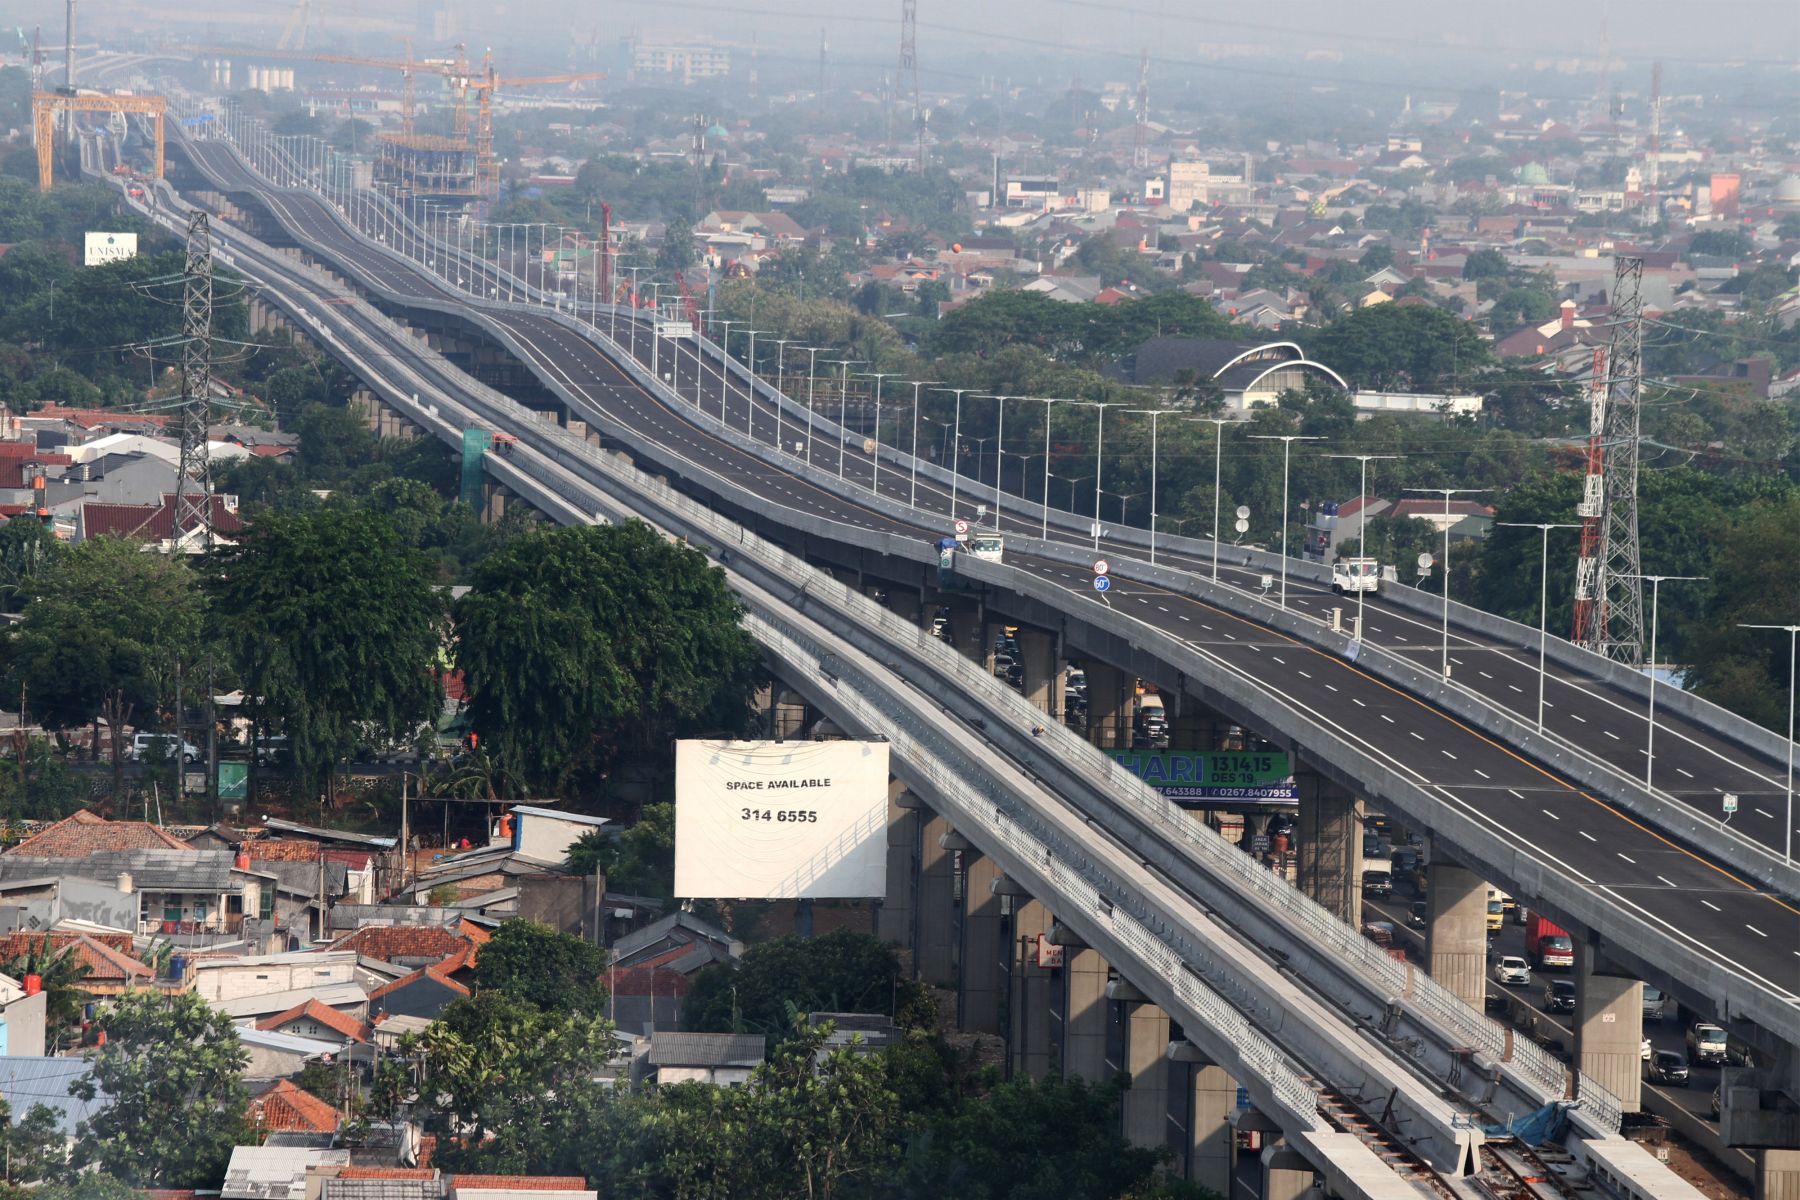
(109, 247)
(1201, 777)
(780, 820)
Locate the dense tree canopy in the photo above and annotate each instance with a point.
(1402, 347)
(554, 971)
(170, 1081)
(839, 972)
(335, 627)
(579, 643)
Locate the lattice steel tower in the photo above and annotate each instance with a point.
(1618, 631)
(1140, 146)
(908, 76)
(193, 489)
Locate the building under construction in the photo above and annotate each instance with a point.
(428, 166)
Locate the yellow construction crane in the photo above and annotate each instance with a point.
(485, 87)
(409, 67)
(45, 106)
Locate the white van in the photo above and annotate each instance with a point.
(159, 746)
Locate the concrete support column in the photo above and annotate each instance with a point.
(1106, 706)
(933, 952)
(1043, 681)
(904, 603)
(1028, 1012)
(1330, 836)
(1146, 1105)
(1456, 930)
(1777, 1174)
(894, 919)
(1084, 1014)
(983, 958)
(1286, 1175)
(1609, 1028)
(966, 627)
(1212, 1143)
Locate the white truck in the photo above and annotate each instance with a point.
(1355, 575)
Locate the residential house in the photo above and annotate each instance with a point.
(284, 1104)
(545, 834)
(350, 998)
(193, 896)
(1438, 515)
(112, 965)
(720, 1058)
(320, 1022)
(155, 523)
(519, 1187)
(228, 978)
(23, 1018)
(423, 993)
(85, 833)
(272, 1055)
(275, 1171)
(39, 904)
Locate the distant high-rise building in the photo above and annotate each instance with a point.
(686, 61)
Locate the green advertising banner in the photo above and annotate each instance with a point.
(234, 780)
(1213, 775)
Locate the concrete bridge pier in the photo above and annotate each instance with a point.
(981, 961)
(1084, 1007)
(1209, 1095)
(934, 951)
(1146, 1106)
(967, 628)
(1609, 1027)
(1330, 852)
(1109, 716)
(894, 915)
(1286, 1175)
(1456, 930)
(1044, 676)
(1028, 986)
(903, 603)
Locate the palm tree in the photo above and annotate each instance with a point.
(61, 973)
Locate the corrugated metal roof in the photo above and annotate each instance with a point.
(335, 995)
(532, 810)
(669, 1049)
(274, 1172)
(27, 1081)
(150, 870)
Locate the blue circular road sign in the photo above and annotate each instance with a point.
(1102, 582)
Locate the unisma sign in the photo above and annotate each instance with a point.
(110, 247)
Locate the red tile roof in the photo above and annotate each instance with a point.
(95, 418)
(522, 1183)
(148, 522)
(286, 1105)
(84, 834)
(331, 1018)
(389, 942)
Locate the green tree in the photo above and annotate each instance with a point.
(104, 633)
(1788, 228)
(677, 252)
(27, 547)
(640, 861)
(334, 626)
(31, 1148)
(1755, 578)
(1377, 256)
(1486, 263)
(555, 971)
(1721, 243)
(839, 972)
(525, 1074)
(578, 643)
(170, 1080)
(86, 1185)
(1394, 347)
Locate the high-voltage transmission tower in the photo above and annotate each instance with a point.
(193, 487)
(1140, 146)
(908, 76)
(1615, 627)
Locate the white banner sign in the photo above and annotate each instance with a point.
(676, 329)
(780, 820)
(109, 247)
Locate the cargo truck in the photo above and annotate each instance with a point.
(1548, 945)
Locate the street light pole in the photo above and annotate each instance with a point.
(1153, 414)
(843, 365)
(1656, 582)
(812, 365)
(1099, 449)
(632, 321)
(781, 345)
(955, 448)
(875, 473)
(1287, 441)
(1218, 424)
(1362, 540)
(913, 499)
(1543, 602)
(1793, 632)
(1000, 451)
(750, 394)
(1446, 493)
(1049, 402)
(724, 365)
